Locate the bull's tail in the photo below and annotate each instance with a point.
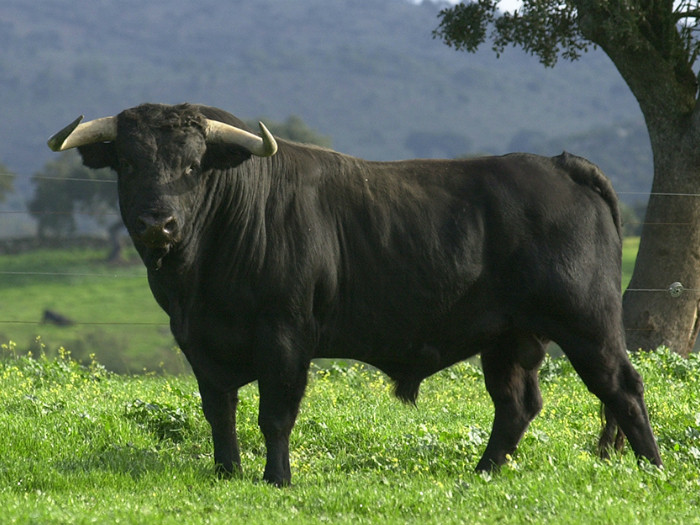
(586, 173)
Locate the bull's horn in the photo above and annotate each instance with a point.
(221, 133)
(76, 134)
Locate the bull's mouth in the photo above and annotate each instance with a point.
(156, 233)
(153, 256)
(154, 248)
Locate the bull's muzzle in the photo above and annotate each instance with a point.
(158, 232)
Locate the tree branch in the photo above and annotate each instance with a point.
(650, 57)
(680, 15)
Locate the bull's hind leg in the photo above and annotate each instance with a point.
(510, 372)
(607, 372)
(611, 436)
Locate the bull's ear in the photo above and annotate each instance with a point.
(99, 155)
(221, 157)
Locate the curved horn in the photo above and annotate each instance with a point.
(76, 134)
(221, 133)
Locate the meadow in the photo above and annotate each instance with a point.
(115, 316)
(83, 445)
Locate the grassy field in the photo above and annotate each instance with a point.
(115, 315)
(630, 247)
(80, 445)
(83, 445)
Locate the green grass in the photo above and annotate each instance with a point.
(80, 445)
(116, 316)
(630, 247)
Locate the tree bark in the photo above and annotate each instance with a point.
(669, 249)
(652, 64)
(669, 252)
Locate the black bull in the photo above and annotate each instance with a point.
(266, 255)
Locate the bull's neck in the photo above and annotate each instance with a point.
(244, 208)
(231, 221)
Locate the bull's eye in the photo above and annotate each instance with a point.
(192, 170)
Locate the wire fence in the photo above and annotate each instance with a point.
(674, 289)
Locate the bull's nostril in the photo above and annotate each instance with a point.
(157, 230)
(170, 226)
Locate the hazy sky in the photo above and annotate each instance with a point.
(509, 5)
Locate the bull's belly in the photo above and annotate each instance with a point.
(425, 353)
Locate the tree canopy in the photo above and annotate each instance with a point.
(664, 32)
(551, 29)
(295, 129)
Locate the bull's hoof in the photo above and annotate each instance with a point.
(612, 440)
(487, 466)
(224, 472)
(277, 482)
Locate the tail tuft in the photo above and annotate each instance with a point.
(406, 390)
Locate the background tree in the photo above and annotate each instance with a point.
(6, 181)
(65, 187)
(654, 46)
(294, 128)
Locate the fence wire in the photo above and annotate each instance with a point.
(675, 290)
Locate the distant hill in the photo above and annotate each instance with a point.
(366, 73)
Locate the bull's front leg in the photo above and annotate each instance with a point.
(282, 374)
(220, 411)
(280, 397)
(281, 382)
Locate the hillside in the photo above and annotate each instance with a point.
(365, 72)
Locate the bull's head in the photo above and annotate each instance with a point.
(159, 153)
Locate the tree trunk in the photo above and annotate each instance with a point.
(656, 67)
(118, 241)
(669, 250)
